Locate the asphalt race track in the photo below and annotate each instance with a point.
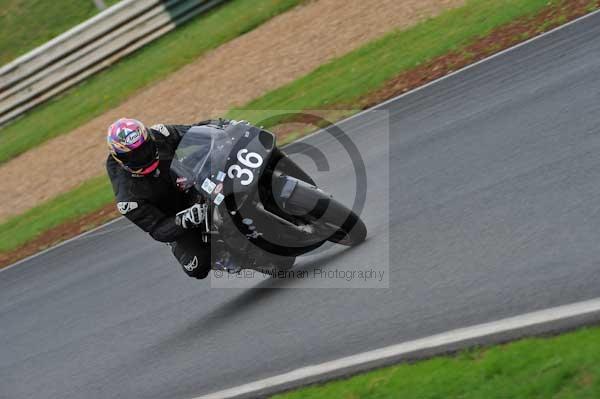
(490, 202)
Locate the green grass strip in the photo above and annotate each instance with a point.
(25, 25)
(345, 79)
(83, 200)
(149, 64)
(561, 367)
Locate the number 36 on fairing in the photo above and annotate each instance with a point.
(248, 159)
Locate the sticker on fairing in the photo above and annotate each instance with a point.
(221, 176)
(208, 186)
(181, 182)
(219, 188)
(219, 199)
(125, 207)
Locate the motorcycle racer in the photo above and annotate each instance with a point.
(163, 178)
(138, 167)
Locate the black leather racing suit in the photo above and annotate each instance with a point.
(152, 201)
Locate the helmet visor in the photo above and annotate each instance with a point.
(141, 157)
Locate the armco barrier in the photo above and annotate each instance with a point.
(88, 48)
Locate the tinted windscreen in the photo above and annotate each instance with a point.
(192, 153)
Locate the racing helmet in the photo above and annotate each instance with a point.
(132, 146)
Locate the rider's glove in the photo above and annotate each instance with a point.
(190, 217)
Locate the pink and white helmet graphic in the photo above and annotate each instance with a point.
(126, 135)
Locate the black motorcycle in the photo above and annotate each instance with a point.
(256, 202)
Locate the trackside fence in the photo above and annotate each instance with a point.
(88, 48)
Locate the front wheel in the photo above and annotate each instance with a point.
(329, 218)
(354, 236)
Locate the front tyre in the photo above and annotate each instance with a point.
(329, 218)
(353, 236)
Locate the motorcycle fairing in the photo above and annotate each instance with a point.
(208, 159)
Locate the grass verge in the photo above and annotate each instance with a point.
(417, 55)
(559, 367)
(25, 25)
(343, 82)
(158, 59)
(88, 197)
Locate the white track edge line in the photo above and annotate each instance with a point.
(433, 82)
(435, 341)
(60, 244)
